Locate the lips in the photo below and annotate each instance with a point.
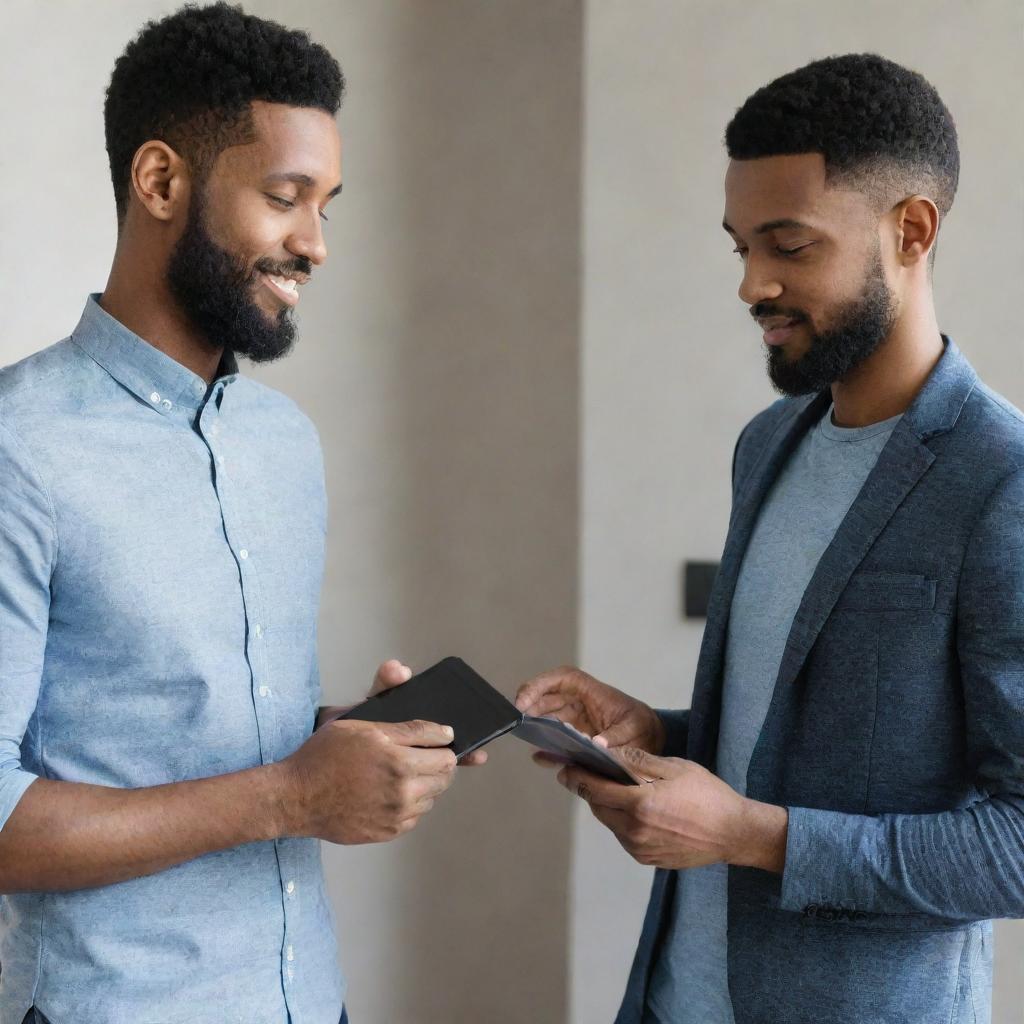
(778, 329)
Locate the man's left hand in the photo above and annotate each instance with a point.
(683, 816)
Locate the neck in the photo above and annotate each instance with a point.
(142, 302)
(887, 382)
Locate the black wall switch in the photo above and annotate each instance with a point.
(698, 579)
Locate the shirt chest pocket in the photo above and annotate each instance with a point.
(887, 591)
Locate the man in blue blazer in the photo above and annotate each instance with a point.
(840, 814)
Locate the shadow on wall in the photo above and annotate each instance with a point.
(487, 276)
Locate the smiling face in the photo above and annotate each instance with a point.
(813, 272)
(255, 231)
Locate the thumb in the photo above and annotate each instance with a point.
(617, 735)
(390, 674)
(418, 733)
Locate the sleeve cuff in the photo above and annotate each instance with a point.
(12, 789)
(677, 727)
(821, 848)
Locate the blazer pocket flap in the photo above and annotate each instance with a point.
(879, 591)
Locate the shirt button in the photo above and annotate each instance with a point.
(291, 954)
(220, 461)
(243, 554)
(155, 397)
(264, 691)
(290, 888)
(257, 631)
(200, 388)
(166, 403)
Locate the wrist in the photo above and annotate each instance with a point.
(280, 800)
(761, 837)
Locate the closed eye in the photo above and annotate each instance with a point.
(287, 204)
(793, 252)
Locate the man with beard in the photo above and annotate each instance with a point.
(841, 811)
(162, 523)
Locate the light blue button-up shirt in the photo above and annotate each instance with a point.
(161, 553)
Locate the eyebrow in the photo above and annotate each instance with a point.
(773, 225)
(299, 179)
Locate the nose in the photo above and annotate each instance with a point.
(309, 240)
(758, 284)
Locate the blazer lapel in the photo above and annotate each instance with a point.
(903, 462)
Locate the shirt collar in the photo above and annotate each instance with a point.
(154, 377)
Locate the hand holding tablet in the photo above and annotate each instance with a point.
(451, 693)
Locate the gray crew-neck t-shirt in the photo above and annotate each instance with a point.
(798, 520)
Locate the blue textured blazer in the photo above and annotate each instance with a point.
(895, 734)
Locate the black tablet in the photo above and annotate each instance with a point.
(449, 693)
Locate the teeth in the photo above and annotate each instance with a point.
(284, 283)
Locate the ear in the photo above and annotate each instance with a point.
(160, 180)
(917, 224)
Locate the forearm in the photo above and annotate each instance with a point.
(64, 835)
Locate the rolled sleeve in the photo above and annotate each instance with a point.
(27, 554)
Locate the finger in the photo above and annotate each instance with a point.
(555, 705)
(473, 760)
(563, 680)
(390, 674)
(620, 734)
(429, 761)
(595, 789)
(430, 787)
(546, 760)
(417, 733)
(615, 820)
(548, 704)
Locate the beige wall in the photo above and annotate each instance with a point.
(672, 365)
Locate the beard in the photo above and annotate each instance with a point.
(858, 329)
(214, 288)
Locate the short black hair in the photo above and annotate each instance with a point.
(878, 125)
(190, 78)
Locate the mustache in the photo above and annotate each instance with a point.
(301, 266)
(762, 310)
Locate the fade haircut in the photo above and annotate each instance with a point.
(882, 129)
(189, 80)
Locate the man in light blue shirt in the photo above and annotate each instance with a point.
(162, 523)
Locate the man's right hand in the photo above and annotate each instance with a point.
(365, 782)
(608, 715)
